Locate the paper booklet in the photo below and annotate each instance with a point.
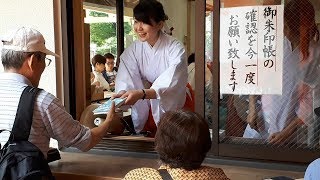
(105, 107)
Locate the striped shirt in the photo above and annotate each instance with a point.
(50, 119)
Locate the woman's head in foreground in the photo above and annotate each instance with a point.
(182, 139)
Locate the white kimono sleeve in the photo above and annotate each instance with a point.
(129, 78)
(170, 86)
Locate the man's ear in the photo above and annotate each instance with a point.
(32, 62)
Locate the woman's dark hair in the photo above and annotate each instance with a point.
(98, 58)
(148, 10)
(191, 58)
(182, 139)
(299, 15)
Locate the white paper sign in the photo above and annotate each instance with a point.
(251, 50)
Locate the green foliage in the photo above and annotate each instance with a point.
(208, 41)
(104, 35)
(99, 32)
(97, 14)
(109, 46)
(127, 28)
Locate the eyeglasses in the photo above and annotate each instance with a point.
(47, 61)
(109, 63)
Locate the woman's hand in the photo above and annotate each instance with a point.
(280, 138)
(118, 95)
(132, 96)
(287, 134)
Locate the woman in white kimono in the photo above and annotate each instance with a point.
(153, 70)
(287, 112)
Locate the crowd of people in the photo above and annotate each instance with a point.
(104, 71)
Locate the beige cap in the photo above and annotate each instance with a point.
(26, 40)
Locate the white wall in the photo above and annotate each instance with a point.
(318, 16)
(177, 13)
(37, 14)
(192, 26)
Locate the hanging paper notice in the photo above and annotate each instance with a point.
(251, 50)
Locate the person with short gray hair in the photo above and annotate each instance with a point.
(24, 58)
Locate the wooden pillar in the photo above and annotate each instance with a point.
(79, 57)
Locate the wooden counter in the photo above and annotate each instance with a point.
(86, 166)
(116, 164)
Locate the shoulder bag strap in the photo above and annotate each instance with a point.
(22, 123)
(164, 174)
(317, 111)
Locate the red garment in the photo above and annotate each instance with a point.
(188, 105)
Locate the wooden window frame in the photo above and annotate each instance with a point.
(78, 102)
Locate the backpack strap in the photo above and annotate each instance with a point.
(164, 174)
(22, 123)
(317, 111)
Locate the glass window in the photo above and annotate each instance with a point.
(269, 69)
(208, 61)
(102, 19)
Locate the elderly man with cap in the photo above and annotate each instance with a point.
(23, 56)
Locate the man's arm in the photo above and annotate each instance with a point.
(99, 132)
